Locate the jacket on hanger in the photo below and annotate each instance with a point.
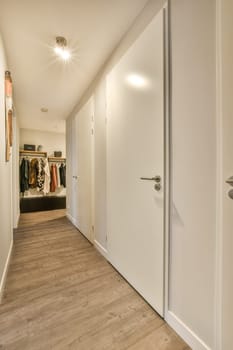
(46, 188)
(24, 175)
(33, 171)
(40, 174)
(62, 171)
(53, 183)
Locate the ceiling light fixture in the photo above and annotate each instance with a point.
(61, 48)
(44, 109)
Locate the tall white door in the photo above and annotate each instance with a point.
(73, 170)
(135, 150)
(84, 169)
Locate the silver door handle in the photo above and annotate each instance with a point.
(230, 181)
(75, 177)
(156, 178)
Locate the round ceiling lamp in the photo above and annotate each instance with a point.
(61, 48)
(44, 109)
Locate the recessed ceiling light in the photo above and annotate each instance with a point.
(61, 48)
(44, 110)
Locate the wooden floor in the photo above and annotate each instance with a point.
(62, 294)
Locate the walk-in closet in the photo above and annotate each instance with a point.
(42, 170)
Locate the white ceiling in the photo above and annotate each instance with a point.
(28, 27)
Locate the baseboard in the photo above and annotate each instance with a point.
(75, 223)
(73, 220)
(16, 221)
(4, 275)
(69, 216)
(185, 333)
(101, 249)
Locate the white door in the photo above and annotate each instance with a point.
(135, 149)
(84, 182)
(73, 170)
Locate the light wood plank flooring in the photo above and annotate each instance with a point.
(62, 294)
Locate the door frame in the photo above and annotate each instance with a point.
(167, 152)
(219, 182)
(92, 237)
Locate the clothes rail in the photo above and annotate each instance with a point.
(32, 153)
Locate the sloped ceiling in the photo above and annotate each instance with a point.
(92, 28)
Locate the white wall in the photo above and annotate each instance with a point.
(100, 165)
(6, 212)
(193, 230)
(15, 172)
(50, 141)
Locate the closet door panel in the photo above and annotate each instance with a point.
(83, 177)
(135, 164)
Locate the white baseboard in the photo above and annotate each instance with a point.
(73, 220)
(4, 275)
(69, 216)
(185, 333)
(17, 221)
(101, 249)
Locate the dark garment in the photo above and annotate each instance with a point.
(53, 183)
(24, 175)
(62, 171)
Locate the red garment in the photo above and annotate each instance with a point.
(8, 84)
(53, 183)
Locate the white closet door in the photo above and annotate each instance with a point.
(73, 169)
(135, 149)
(84, 183)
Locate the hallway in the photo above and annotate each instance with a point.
(62, 294)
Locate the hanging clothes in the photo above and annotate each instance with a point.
(58, 176)
(33, 171)
(40, 174)
(62, 170)
(24, 175)
(46, 188)
(53, 183)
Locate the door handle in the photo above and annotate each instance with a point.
(75, 177)
(230, 181)
(156, 178)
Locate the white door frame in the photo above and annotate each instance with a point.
(219, 181)
(93, 171)
(167, 154)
